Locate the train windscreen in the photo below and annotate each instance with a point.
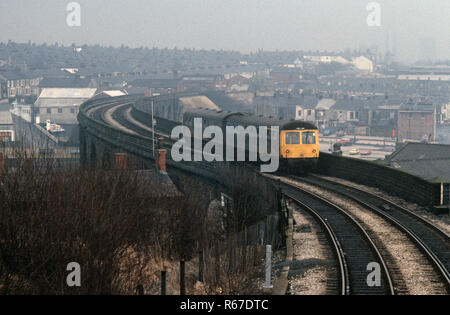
(292, 138)
(308, 137)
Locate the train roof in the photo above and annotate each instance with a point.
(210, 113)
(284, 124)
(246, 119)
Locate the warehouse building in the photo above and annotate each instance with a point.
(61, 105)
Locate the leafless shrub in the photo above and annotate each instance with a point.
(55, 213)
(105, 220)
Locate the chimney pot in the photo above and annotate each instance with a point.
(161, 160)
(121, 161)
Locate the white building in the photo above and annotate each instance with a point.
(61, 105)
(363, 63)
(360, 63)
(305, 113)
(326, 59)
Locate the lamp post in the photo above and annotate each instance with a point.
(153, 130)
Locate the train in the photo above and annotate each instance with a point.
(298, 140)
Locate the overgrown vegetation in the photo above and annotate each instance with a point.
(54, 213)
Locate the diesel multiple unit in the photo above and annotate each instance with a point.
(298, 140)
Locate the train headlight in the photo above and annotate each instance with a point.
(314, 151)
(287, 151)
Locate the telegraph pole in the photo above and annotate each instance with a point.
(153, 130)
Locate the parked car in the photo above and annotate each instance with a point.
(365, 152)
(354, 152)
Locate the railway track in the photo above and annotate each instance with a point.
(354, 249)
(119, 115)
(432, 241)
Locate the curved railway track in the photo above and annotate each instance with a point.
(119, 115)
(354, 249)
(431, 240)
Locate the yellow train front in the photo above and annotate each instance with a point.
(299, 146)
(299, 140)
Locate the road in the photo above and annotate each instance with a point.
(380, 147)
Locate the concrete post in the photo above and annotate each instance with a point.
(163, 282)
(267, 284)
(182, 277)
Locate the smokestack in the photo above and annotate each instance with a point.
(120, 161)
(161, 160)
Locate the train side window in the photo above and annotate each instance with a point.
(292, 138)
(308, 137)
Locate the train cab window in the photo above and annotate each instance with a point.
(308, 137)
(292, 138)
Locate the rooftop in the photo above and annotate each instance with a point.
(429, 161)
(64, 83)
(67, 93)
(113, 93)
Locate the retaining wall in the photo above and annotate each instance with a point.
(405, 185)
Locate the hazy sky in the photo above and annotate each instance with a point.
(244, 25)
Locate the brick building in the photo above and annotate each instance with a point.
(417, 122)
(19, 84)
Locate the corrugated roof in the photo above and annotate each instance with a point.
(67, 93)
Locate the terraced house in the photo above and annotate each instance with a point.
(19, 84)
